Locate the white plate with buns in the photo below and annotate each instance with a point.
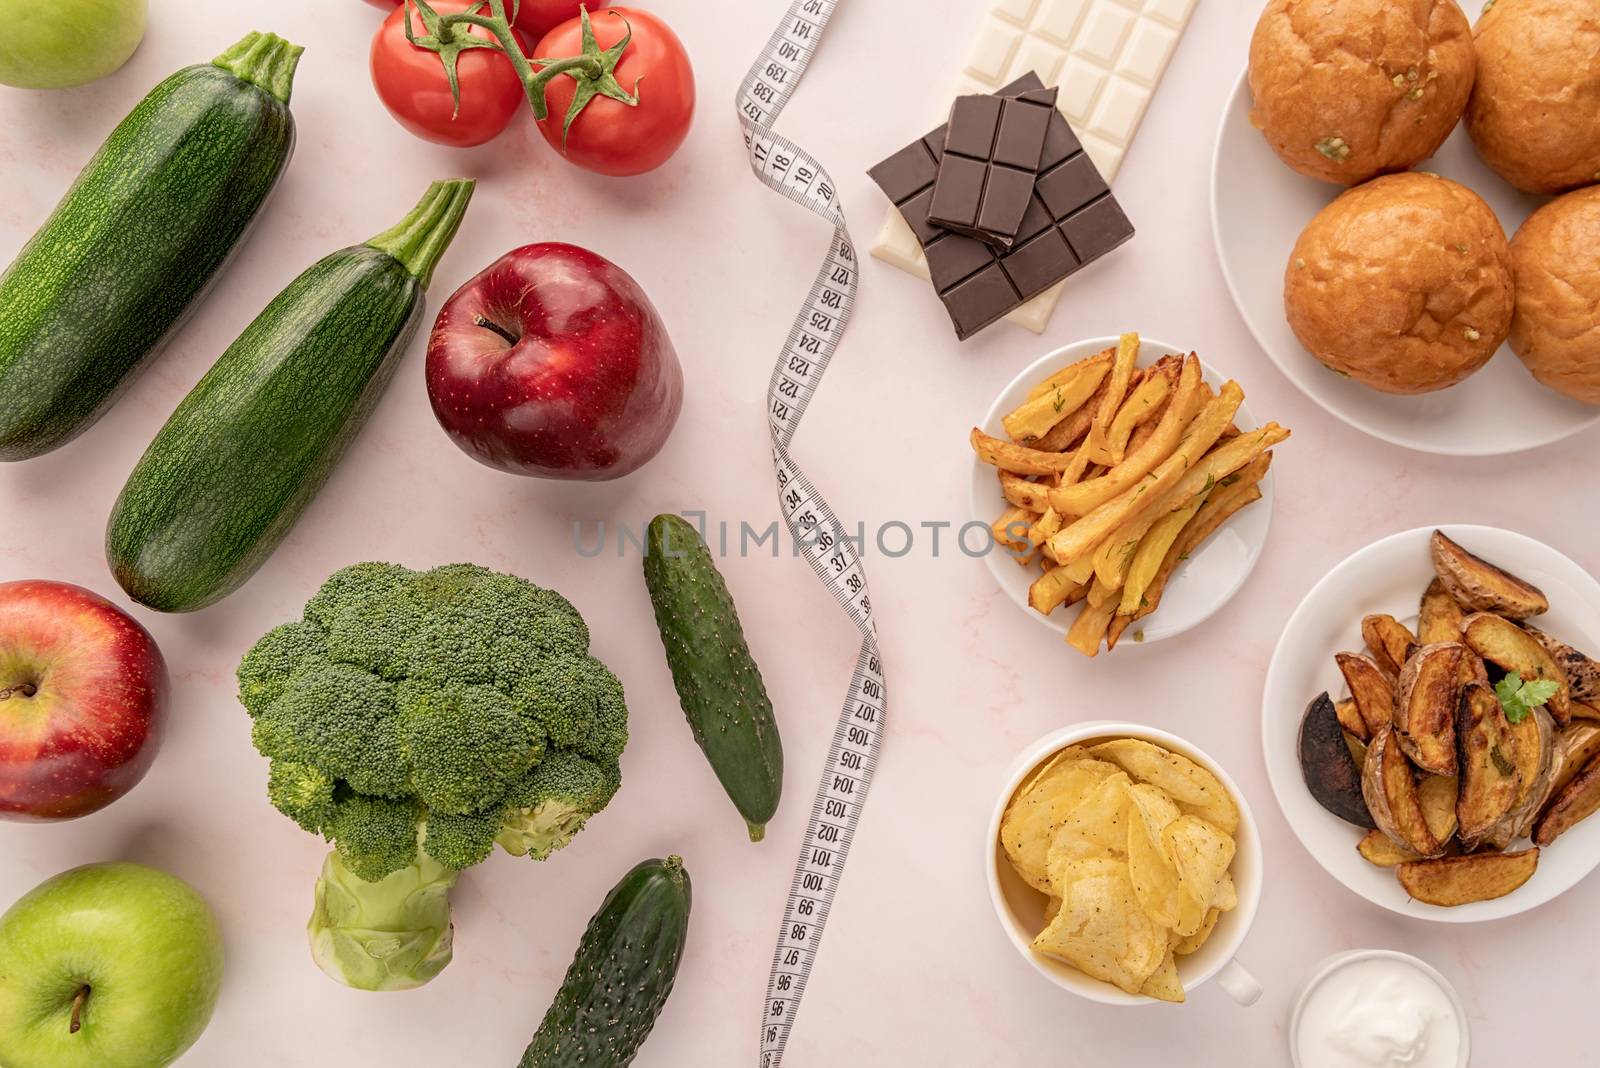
(1260, 207)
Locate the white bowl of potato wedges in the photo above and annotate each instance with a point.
(1431, 723)
(1127, 488)
(1125, 865)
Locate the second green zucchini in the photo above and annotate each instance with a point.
(247, 450)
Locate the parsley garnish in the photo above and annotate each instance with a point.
(1519, 698)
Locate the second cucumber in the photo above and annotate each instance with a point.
(247, 450)
(718, 682)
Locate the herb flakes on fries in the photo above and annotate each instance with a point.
(1115, 474)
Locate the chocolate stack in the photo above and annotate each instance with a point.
(1004, 201)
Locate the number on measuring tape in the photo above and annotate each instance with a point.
(853, 754)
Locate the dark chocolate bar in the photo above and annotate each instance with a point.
(992, 149)
(1071, 220)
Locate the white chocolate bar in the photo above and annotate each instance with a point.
(1107, 56)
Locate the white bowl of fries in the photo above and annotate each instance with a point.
(1119, 477)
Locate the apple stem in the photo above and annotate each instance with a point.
(27, 689)
(494, 328)
(78, 1001)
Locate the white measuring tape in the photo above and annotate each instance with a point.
(788, 169)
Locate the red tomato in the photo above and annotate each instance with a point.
(609, 137)
(535, 17)
(412, 84)
(538, 17)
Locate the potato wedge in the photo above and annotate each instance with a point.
(1452, 881)
(1358, 749)
(1437, 796)
(1373, 695)
(1378, 848)
(1489, 776)
(1509, 647)
(1576, 802)
(1537, 767)
(1480, 586)
(1389, 641)
(1390, 788)
(1439, 618)
(1329, 768)
(1425, 707)
(1582, 672)
(1585, 711)
(1350, 719)
(1578, 744)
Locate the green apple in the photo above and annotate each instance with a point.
(106, 966)
(52, 44)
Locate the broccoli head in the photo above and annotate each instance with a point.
(415, 720)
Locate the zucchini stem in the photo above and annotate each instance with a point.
(266, 61)
(419, 239)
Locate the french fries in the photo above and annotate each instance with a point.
(1113, 476)
(1034, 419)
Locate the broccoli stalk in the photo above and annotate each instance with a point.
(394, 934)
(415, 720)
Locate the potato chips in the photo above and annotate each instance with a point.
(1131, 844)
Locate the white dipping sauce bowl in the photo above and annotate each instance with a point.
(1343, 960)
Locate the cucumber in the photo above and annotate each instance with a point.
(137, 240)
(718, 682)
(247, 450)
(623, 971)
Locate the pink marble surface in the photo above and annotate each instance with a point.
(915, 969)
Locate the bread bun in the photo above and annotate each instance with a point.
(1535, 113)
(1348, 90)
(1403, 284)
(1556, 256)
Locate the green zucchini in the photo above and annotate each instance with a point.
(138, 238)
(718, 682)
(623, 971)
(247, 450)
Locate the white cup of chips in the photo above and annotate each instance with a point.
(1151, 852)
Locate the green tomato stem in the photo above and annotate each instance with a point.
(419, 239)
(264, 60)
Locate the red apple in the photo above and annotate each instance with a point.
(83, 700)
(553, 363)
